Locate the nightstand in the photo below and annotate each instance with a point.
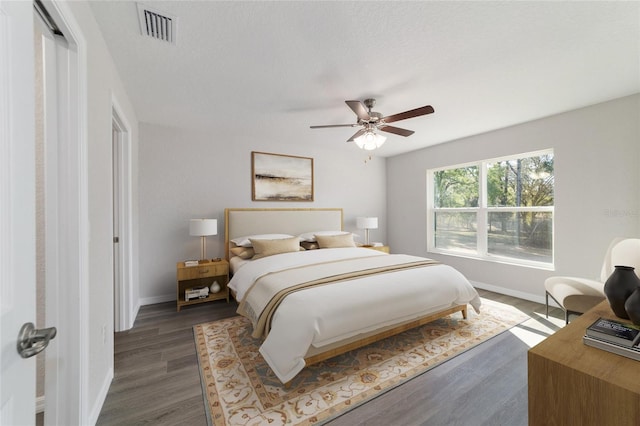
(384, 249)
(203, 274)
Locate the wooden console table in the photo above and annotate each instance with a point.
(571, 383)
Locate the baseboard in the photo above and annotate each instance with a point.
(509, 292)
(101, 398)
(157, 299)
(134, 314)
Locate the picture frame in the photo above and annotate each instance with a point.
(279, 177)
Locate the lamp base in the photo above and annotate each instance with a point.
(203, 249)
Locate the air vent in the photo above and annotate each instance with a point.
(157, 24)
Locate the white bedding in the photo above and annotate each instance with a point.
(248, 271)
(326, 314)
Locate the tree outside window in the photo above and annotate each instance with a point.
(498, 208)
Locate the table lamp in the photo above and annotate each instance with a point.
(367, 223)
(203, 228)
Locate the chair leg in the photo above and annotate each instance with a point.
(546, 293)
(566, 312)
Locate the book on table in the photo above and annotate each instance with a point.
(623, 334)
(632, 352)
(614, 336)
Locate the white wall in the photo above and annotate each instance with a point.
(103, 83)
(597, 191)
(186, 174)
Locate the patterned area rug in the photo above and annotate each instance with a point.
(240, 389)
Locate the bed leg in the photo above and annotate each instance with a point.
(464, 313)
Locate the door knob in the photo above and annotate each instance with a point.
(32, 341)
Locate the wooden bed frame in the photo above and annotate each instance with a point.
(244, 221)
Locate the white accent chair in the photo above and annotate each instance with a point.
(578, 295)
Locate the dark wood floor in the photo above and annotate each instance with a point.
(486, 385)
(157, 380)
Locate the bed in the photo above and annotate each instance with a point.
(309, 304)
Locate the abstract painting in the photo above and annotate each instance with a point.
(277, 177)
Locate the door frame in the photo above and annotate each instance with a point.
(67, 219)
(124, 309)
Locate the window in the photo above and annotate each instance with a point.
(497, 209)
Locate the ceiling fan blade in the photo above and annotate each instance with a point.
(357, 134)
(396, 130)
(409, 114)
(334, 125)
(360, 110)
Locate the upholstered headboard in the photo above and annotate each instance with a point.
(242, 222)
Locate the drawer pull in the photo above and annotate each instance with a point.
(204, 271)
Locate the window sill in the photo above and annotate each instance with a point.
(497, 259)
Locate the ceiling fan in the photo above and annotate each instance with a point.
(369, 121)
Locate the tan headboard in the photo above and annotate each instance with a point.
(241, 222)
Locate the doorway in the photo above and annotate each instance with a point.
(43, 37)
(64, 212)
(123, 309)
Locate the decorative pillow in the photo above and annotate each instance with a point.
(243, 252)
(335, 241)
(246, 241)
(264, 248)
(308, 245)
(311, 236)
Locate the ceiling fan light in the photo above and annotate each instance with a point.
(370, 141)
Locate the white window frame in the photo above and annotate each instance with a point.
(482, 214)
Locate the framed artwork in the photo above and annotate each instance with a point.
(277, 177)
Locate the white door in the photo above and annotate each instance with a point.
(122, 218)
(115, 142)
(17, 209)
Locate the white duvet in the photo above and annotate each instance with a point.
(326, 314)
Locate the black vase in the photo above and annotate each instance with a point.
(619, 286)
(632, 306)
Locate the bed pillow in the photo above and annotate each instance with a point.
(308, 245)
(243, 252)
(246, 241)
(335, 241)
(264, 248)
(310, 237)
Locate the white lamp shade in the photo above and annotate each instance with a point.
(370, 141)
(367, 223)
(203, 227)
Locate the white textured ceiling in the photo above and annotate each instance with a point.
(268, 70)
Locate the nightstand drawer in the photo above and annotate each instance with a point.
(211, 269)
